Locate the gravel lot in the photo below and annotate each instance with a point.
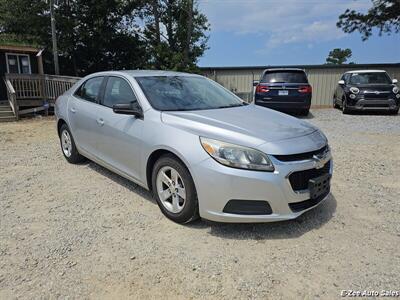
(84, 232)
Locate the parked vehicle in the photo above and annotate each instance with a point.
(367, 90)
(286, 90)
(199, 148)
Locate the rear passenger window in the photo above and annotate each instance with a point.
(90, 89)
(118, 91)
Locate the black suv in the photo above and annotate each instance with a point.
(286, 90)
(367, 90)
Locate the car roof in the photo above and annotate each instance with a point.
(284, 69)
(366, 71)
(143, 73)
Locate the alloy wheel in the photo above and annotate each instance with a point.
(171, 189)
(66, 143)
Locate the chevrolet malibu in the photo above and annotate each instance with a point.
(201, 150)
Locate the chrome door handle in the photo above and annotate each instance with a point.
(73, 110)
(100, 122)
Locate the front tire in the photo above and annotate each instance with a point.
(174, 190)
(335, 105)
(304, 112)
(345, 110)
(68, 146)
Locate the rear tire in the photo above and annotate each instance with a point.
(174, 190)
(68, 146)
(304, 112)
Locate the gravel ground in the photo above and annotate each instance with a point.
(80, 231)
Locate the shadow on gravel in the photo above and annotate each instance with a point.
(309, 116)
(370, 113)
(133, 187)
(310, 220)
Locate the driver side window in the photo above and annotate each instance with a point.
(118, 91)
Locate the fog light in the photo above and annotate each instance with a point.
(352, 96)
(398, 96)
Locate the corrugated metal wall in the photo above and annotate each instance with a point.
(323, 79)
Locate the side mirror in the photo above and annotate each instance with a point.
(128, 109)
(341, 82)
(394, 81)
(256, 82)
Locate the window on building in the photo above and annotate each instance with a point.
(18, 63)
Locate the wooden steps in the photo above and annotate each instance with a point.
(6, 113)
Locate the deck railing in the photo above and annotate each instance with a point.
(40, 87)
(12, 98)
(25, 89)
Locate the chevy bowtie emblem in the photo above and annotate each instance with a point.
(377, 92)
(320, 159)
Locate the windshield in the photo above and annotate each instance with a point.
(370, 78)
(186, 93)
(284, 77)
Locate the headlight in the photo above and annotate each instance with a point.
(354, 90)
(352, 96)
(395, 90)
(237, 156)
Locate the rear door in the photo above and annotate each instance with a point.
(120, 139)
(82, 114)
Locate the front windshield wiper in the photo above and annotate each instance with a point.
(206, 108)
(234, 105)
(177, 109)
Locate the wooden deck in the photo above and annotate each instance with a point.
(29, 93)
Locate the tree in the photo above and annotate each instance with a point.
(338, 56)
(384, 15)
(183, 38)
(96, 35)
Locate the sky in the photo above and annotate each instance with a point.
(287, 32)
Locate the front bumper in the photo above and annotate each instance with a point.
(374, 104)
(217, 185)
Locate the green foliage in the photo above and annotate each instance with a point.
(97, 35)
(12, 39)
(338, 56)
(175, 38)
(383, 15)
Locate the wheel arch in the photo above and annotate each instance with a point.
(60, 123)
(154, 156)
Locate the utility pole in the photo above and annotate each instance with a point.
(54, 38)
(189, 33)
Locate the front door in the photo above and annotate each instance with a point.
(119, 142)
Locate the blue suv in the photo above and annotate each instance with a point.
(285, 90)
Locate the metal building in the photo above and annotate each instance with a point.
(323, 78)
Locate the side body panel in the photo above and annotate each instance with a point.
(120, 141)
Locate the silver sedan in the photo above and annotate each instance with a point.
(201, 150)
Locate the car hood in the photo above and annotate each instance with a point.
(248, 125)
